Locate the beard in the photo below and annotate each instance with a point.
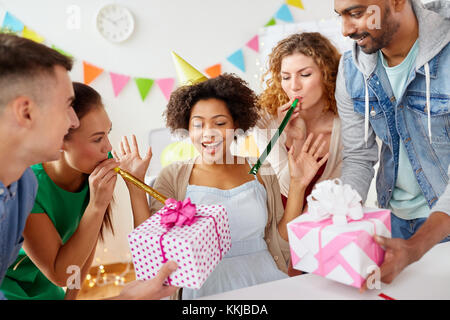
(390, 27)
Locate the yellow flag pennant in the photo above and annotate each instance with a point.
(295, 3)
(32, 35)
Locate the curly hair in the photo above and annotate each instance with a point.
(240, 100)
(311, 44)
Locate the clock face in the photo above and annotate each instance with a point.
(115, 23)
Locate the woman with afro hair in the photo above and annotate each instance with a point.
(212, 112)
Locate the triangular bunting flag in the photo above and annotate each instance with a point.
(254, 43)
(271, 22)
(144, 85)
(12, 23)
(214, 71)
(166, 86)
(118, 81)
(295, 3)
(284, 14)
(32, 35)
(61, 51)
(90, 72)
(237, 59)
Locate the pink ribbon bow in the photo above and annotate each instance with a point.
(178, 213)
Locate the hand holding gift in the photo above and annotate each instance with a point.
(397, 257)
(151, 289)
(335, 238)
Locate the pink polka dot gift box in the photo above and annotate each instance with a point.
(195, 236)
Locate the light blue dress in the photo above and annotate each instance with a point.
(248, 262)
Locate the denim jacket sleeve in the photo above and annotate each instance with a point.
(358, 159)
(443, 204)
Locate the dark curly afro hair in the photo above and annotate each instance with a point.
(239, 98)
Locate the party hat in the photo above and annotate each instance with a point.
(187, 74)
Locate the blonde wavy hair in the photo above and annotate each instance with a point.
(311, 44)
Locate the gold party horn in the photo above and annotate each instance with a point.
(128, 176)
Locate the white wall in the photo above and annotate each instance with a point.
(204, 32)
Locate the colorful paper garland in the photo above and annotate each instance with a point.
(119, 81)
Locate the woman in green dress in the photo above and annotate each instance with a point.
(71, 211)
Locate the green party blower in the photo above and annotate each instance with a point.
(275, 137)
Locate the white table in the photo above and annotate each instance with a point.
(428, 278)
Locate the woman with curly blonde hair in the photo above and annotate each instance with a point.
(302, 65)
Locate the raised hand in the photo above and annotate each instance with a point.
(130, 158)
(304, 164)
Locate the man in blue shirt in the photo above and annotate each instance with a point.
(16, 201)
(36, 113)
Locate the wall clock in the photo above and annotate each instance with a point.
(115, 23)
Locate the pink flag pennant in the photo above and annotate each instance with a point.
(118, 81)
(166, 86)
(254, 43)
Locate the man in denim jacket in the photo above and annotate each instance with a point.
(395, 85)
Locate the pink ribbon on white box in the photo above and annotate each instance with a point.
(331, 199)
(178, 213)
(326, 252)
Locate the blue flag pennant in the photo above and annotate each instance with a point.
(284, 14)
(237, 59)
(12, 23)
